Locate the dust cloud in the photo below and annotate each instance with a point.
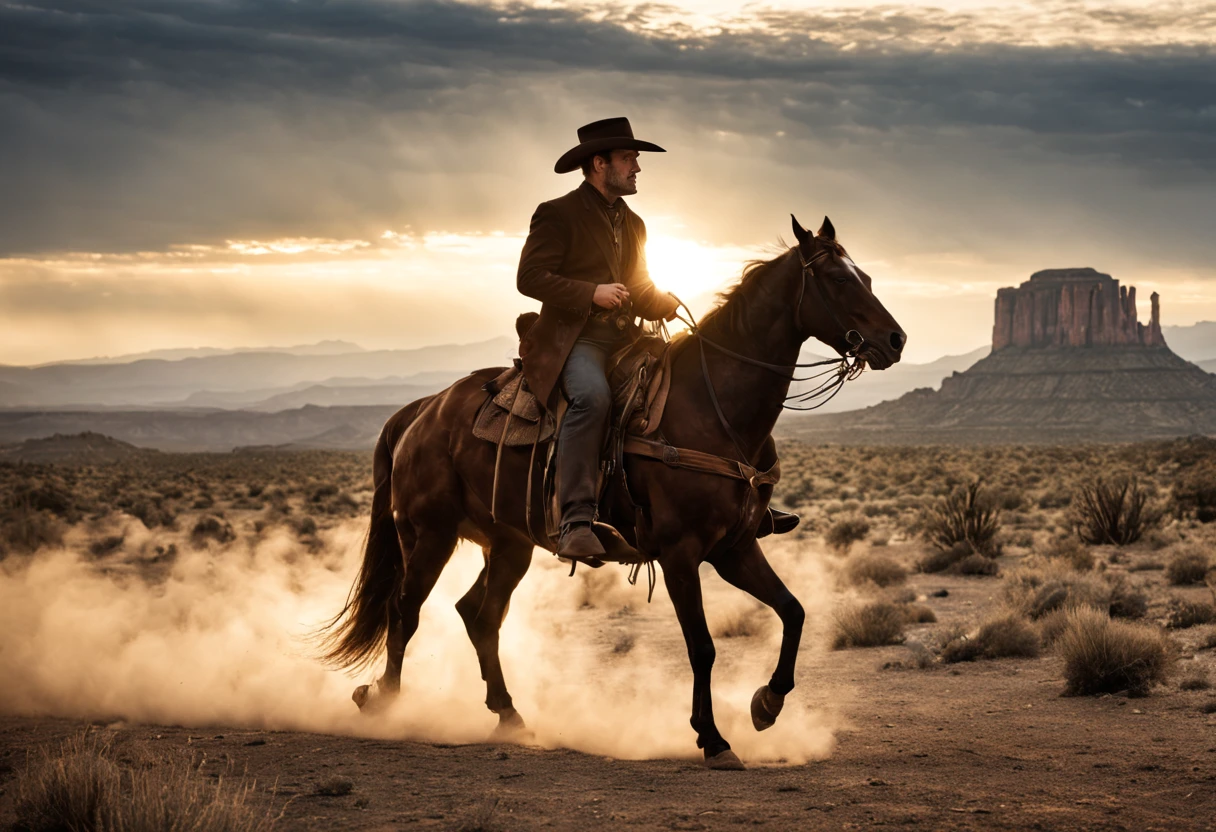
(217, 637)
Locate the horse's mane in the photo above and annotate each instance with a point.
(734, 302)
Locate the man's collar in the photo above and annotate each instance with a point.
(587, 187)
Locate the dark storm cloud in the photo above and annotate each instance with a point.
(145, 123)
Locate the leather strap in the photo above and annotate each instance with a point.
(702, 462)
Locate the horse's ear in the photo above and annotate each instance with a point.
(804, 237)
(827, 230)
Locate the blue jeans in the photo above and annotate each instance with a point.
(581, 436)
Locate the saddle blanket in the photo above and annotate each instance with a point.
(638, 374)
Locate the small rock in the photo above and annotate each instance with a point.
(941, 593)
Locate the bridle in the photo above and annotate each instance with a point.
(845, 368)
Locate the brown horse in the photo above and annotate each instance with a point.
(433, 483)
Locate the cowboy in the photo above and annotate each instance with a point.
(584, 260)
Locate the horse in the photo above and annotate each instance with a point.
(434, 485)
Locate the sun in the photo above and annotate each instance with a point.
(690, 269)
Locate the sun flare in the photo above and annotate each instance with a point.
(692, 269)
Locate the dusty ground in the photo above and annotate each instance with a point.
(988, 745)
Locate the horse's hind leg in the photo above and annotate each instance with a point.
(483, 609)
(747, 568)
(426, 553)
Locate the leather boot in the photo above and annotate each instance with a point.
(783, 521)
(578, 541)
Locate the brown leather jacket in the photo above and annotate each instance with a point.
(567, 254)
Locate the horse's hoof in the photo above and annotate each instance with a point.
(725, 761)
(372, 698)
(510, 728)
(766, 706)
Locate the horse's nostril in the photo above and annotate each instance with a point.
(898, 339)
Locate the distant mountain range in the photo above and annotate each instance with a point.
(247, 378)
(333, 394)
(319, 348)
(1196, 343)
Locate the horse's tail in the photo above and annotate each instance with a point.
(356, 635)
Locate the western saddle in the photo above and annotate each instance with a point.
(640, 378)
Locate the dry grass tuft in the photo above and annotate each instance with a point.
(1186, 614)
(83, 786)
(1196, 680)
(1003, 636)
(334, 786)
(1071, 552)
(868, 567)
(482, 819)
(1036, 592)
(753, 621)
(1105, 656)
(872, 625)
(1188, 566)
(847, 531)
(919, 614)
(1127, 601)
(939, 560)
(977, 564)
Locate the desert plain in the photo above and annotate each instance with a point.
(157, 612)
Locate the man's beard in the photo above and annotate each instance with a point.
(619, 183)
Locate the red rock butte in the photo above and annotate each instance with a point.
(1073, 308)
(1070, 362)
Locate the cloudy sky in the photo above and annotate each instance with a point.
(247, 172)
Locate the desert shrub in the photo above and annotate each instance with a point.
(872, 625)
(976, 564)
(966, 515)
(1184, 614)
(1209, 643)
(919, 614)
(84, 787)
(742, 623)
(333, 786)
(1127, 601)
(1188, 566)
(846, 531)
(872, 568)
(1194, 492)
(1051, 626)
(106, 545)
(306, 527)
(939, 560)
(1105, 656)
(211, 528)
(1071, 551)
(1195, 680)
(1113, 511)
(26, 529)
(1036, 592)
(1002, 636)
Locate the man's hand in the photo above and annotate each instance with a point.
(610, 295)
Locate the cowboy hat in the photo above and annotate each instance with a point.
(607, 134)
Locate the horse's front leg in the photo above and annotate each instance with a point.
(747, 568)
(684, 587)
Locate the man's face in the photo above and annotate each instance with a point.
(621, 176)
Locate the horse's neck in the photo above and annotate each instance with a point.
(752, 397)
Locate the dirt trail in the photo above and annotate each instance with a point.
(989, 745)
